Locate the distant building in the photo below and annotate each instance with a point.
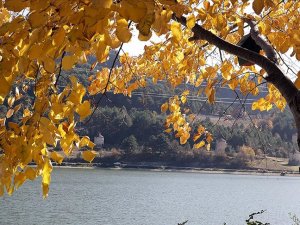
(99, 140)
(294, 139)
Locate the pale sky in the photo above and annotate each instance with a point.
(136, 47)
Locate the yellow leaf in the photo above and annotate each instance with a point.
(176, 31)
(9, 113)
(4, 87)
(49, 65)
(48, 130)
(168, 130)
(68, 62)
(183, 99)
(211, 98)
(297, 81)
(178, 56)
(199, 145)
(196, 137)
(45, 188)
(1, 190)
(11, 101)
(191, 21)
(84, 110)
(19, 179)
(141, 37)
(103, 3)
(258, 6)
(85, 141)
(145, 24)
(200, 129)
(16, 5)
(123, 33)
(37, 19)
(164, 107)
(209, 137)
(89, 155)
(46, 174)
(59, 37)
(57, 157)
(30, 173)
(254, 106)
(208, 147)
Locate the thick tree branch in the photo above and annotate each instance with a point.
(268, 49)
(275, 75)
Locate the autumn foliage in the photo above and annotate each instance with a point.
(40, 38)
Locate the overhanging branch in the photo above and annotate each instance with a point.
(275, 75)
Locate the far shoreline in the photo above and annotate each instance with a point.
(256, 172)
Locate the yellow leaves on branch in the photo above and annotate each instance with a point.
(273, 97)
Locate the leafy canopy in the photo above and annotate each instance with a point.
(39, 38)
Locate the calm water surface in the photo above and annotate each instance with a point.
(123, 197)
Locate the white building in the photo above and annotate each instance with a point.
(99, 140)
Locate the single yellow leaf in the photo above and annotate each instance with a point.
(84, 110)
(45, 188)
(211, 97)
(85, 141)
(10, 101)
(57, 157)
(49, 65)
(297, 81)
(208, 147)
(209, 137)
(4, 87)
(199, 145)
(1, 190)
(258, 6)
(191, 21)
(47, 169)
(30, 173)
(19, 179)
(35, 51)
(176, 31)
(68, 62)
(122, 31)
(183, 99)
(9, 113)
(89, 155)
(164, 107)
(16, 5)
(168, 130)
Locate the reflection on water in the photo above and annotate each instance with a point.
(122, 197)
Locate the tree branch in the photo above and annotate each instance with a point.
(275, 75)
(268, 49)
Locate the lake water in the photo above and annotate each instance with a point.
(125, 197)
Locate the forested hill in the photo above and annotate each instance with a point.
(133, 127)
